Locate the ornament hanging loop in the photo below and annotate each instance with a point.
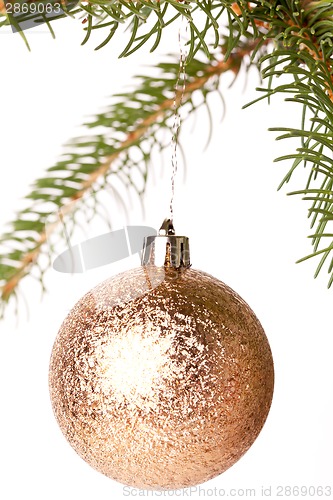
(166, 228)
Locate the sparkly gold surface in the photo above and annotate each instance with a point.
(159, 381)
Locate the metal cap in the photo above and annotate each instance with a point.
(166, 249)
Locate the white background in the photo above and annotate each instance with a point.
(242, 231)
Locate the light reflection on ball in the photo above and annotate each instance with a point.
(161, 383)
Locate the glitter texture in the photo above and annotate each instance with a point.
(161, 380)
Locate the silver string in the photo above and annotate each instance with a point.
(180, 88)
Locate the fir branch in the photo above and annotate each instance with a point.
(144, 20)
(303, 45)
(132, 123)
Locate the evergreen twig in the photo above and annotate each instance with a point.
(303, 34)
(144, 20)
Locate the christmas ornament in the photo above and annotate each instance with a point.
(161, 377)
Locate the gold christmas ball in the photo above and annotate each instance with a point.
(161, 380)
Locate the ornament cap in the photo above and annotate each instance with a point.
(166, 249)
